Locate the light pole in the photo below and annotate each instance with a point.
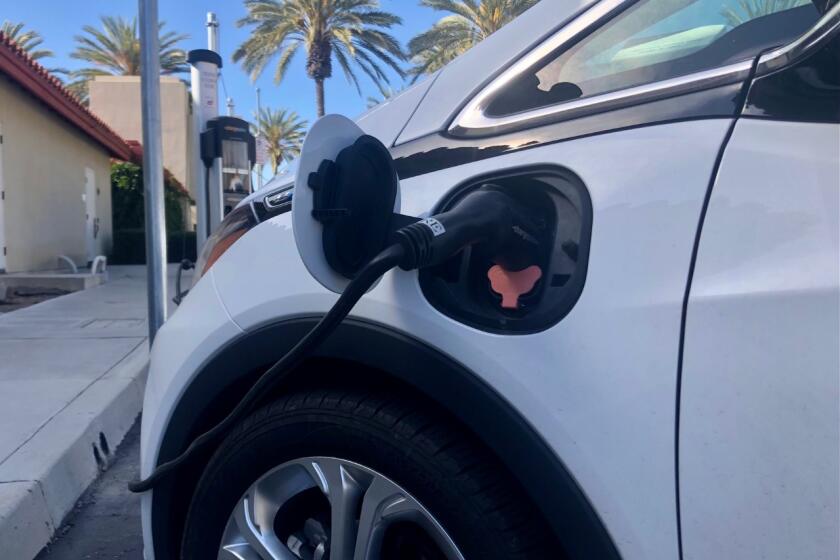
(153, 166)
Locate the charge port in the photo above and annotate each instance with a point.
(559, 205)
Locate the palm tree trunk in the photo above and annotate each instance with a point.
(319, 96)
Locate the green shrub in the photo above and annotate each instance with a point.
(130, 246)
(129, 217)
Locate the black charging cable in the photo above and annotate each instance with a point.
(382, 263)
(186, 264)
(487, 216)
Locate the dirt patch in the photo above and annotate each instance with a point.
(18, 298)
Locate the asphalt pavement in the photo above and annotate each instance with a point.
(106, 520)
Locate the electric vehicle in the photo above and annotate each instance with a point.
(656, 377)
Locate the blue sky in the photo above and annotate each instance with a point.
(58, 21)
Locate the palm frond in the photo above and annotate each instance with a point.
(284, 61)
(343, 57)
(28, 40)
(468, 22)
(115, 48)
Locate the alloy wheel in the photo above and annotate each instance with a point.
(324, 508)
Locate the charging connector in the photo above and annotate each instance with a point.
(487, 216)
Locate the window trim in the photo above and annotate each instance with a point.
(791, 53)
(473, 121)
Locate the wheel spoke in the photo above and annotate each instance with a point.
(258, 533)
(344, 493)
(382, 501)
(241, 551)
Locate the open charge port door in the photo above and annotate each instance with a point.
(560, 205)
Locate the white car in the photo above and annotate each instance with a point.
(664, 386)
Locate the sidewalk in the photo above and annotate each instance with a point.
(72, 373)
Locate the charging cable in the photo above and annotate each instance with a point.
(487, 216)
(382, 263)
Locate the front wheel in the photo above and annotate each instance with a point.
(364, 476)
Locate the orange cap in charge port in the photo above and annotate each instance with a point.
(513, 284)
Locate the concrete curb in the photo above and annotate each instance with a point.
(42, 480)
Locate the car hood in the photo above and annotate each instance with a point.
(387, 119)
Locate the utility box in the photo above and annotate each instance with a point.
(230, 139)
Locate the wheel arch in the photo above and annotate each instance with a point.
(382, 357)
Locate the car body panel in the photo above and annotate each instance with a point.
(188, 338)
(564, 379)
(387, 119)
(760, 426)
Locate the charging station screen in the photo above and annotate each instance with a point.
(236, 169)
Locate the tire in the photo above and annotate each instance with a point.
(466, 490)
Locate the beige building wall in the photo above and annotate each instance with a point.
(44, 161)
(116, 100)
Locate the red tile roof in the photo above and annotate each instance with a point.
(34, 78)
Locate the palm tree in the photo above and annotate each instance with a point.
(28, 40)
(351, 32)
(470, 22)
(283, 132)
(115, 51)
(747, 10)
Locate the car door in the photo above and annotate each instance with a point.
(759, 421)
(633, 100)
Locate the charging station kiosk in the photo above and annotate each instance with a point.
(225, 151)
(228, 142)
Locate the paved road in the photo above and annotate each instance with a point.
(106, 521)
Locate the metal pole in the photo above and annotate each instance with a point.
(212, 32)
(259, 166)
(153, 165)
(200, 189)
(204, 75)
(215, 201)
(230, 106)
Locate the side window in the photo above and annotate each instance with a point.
(657, 40)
